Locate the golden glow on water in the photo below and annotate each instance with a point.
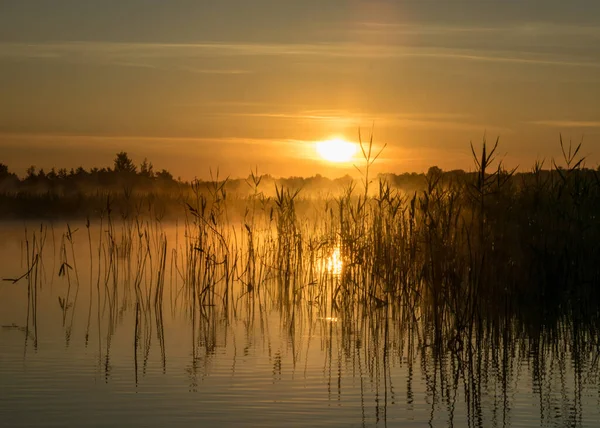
(197, 353)
(336, 150)
(334, 264)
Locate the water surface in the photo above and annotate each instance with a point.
(104, 352)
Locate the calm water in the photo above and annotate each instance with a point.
(114, 357)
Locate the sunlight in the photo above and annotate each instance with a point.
(336, 150)
(333, 265)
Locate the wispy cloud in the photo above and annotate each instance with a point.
(163, 55)
(432, 121)
(352, 115)
(568, 123)
(43, 138)
(234, 147)
(386, 28)
(525, 29)
(179, 67)
(137, 55)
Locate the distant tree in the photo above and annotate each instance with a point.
(7, 178)
(62, 173)
(52, 174)
(165, 175)
(103, 176)
(31, 172)
(3, 170)
(147, 169)
(123, 164)
(434, 171)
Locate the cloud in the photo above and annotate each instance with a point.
(348, 114)
(164, 55)
(437, 121)
(525, 29)
(173, 66)
(42, 138)
(222, 147)
(567, 123)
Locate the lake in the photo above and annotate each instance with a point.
(108, 332)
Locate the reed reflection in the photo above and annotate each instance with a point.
(395, 305)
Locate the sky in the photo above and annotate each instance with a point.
(239, 85)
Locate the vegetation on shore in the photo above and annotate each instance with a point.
(465, 267)
(468, 245)
(130, 189)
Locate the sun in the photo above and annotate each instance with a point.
(336, 150)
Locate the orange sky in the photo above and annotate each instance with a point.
(238, 85)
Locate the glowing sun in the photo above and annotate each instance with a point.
(336, 150)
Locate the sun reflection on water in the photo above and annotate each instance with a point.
(333, 264)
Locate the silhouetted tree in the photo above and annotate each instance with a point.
(165, 175)
(31, 172)
(123, 164)
(147, 169)
(434, 171)
(3, 171)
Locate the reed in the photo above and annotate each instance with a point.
(472, 267)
